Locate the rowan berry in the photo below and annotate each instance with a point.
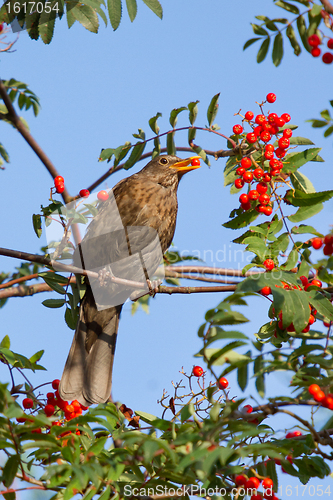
(253, 194)
(27, 403)
(287, 132)
(252, 483)
(271, 98)
(258, 173)
(223, 383)
(280, 152)
(240, 480)
(239, 183)
(265, 136)
(327, 58)
(262, 187)
(55, 384)
(266, 177)
(269, 147)
(271, 117)
(315, 52)
(314, 40)
(269, 264)
(240, 170)
(284, 143)
(197, 371)
(60, 188)
(58, 180)
(316, 282)
(328, 240)
(246, 206)
(251, 137)
(279, 122)
(328, 250)
(248, 177)
(267, 210)
(237, 129)
(286, 117)
(243, 198)
(304, 280)
(249, 115)
(317, 243)
(268, 155)
(49, 410)
(267, 483)
(264, 199)
(195, 162)
(257, 130)
(330, 43)
(103, 195)
(260, 119)
(84, 193)
(246, 162)
(248, 408)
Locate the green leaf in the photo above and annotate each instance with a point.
(291, 261)
(212, 109)
(193, 109)
(242, 220)
(155, 6)
(86, 16)
(174, 115)
(250, 42)
(304, 213)
(260, 381)
(287, 6)
(115, 11)
(54, 285)
(153, 123)
(294, 161)
(301, 182)
(37, 224)
(187, 412)
(328, 131)
(171, 147)
(201, 152)
(135, 155)
(277, 53)
(53, 303)
(262, 52)
(10, 470)
(242, 374)
(5, 342)
(47, 23)
(293, 40)
(302, 229)
(4, 153)
(71, 318)
(131, 9)
(318, 123)
(302, 30)
(258, 30)
(298, 198)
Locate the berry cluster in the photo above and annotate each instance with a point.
(263, 129)
(319, 396)
(54, 405)
(253, 483)
(314, 41)
(59, 184)
(222, 383)
(317, 243)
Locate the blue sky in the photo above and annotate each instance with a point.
(95, 91)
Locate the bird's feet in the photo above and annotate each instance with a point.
(104, 277)
(153, 286)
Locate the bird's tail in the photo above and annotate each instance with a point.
(88, 370)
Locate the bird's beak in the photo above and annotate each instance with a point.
(185, 165)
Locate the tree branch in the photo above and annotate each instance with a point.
(328, 6)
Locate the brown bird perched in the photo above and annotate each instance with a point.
(126, 239)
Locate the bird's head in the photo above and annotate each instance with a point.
(167, 170)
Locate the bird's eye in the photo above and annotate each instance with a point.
(164, 161)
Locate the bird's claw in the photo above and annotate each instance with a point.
(153, 287)
(104, 277)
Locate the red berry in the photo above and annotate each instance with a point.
(222, 383)
(266, 290)
(260, 119)
(297, 433)
(286, 117)
(239, 183)
(243, 198)
(253, 194)
(330, 43)
(197, 371)
(269, 147)
(55, 384)
(248, 177)
(1, 27)
(84, 408)
(275, 172)
(257, 496)
(271, 98)
(252, 483)
(318, 396)
(328, 240)
(195, 162)
(103, 195)
(257, 130)
(237, 129)
(84, 193)
(246, 162)
(58, 180)
(312, 319)
(240, 480)
(267, 483)
(304, 280)
(264, 199)
(327, 402)
(317, 243)
(316, 282)
(240, 170)
(328, 250)
(60, 188)
(269, 264)
(258, 173)
(315, 52)
(279, 122)
(27, 403)
(49, 410)
(271, 117)
(287, 132)
(246, 206)
(280, 153)
(267, 210)
(261, 208)
(265, 136)
(69, 409)
(249, 115)
(251, 137)
(248, 408)
(284, 143)
(327, 58)
(314, 40)
(262, 187)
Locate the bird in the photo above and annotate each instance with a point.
(127, 238)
